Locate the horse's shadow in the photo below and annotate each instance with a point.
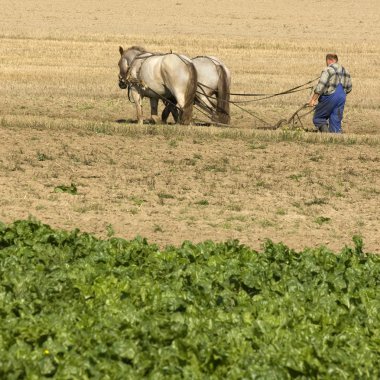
(132, 121)
(146, 122)
(150, 122)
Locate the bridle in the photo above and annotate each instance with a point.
(123, 84)
(127, 81)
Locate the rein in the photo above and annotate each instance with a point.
(267, 96)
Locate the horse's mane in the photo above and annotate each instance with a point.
(139, 48)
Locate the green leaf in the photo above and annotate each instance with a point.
(72, 189)
(74, 306)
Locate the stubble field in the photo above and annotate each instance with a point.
(64, 120)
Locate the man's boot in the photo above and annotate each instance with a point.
(324, 129)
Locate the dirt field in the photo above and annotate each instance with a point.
(63, 120)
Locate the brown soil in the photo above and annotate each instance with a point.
(198, 185)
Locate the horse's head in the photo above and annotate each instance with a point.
(126, 59)
(123, 67)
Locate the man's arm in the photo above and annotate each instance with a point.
(348, 82)
(314, 100)
(320, 88)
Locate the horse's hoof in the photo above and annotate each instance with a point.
(155, 119)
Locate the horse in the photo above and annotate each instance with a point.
(170, 77)
(213, 90)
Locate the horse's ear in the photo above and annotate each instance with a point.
(121, 50)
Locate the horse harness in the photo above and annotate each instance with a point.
(131, 81)
(135, 80)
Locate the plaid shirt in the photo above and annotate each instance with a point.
(331, 76)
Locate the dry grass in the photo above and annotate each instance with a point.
(62, 61)
(59, 103)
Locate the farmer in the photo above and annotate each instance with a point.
(330, 96)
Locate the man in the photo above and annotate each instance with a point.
(330, 94)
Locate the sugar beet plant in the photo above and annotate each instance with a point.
(75, 307)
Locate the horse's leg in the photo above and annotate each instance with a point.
(154, 110)
(181, 81)
(137, 99)
(165, 114)
(170, 109)
(175, 114)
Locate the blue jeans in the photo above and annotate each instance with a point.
(329, 111)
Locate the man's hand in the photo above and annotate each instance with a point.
(314, 100)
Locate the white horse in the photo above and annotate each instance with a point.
(213, 90)
(158, 76)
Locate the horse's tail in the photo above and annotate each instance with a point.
(187, 109)
(223, 95)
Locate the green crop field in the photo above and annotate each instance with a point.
(76, 307)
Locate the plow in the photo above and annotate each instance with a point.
(293, 122)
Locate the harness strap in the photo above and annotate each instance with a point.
(144, 56)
